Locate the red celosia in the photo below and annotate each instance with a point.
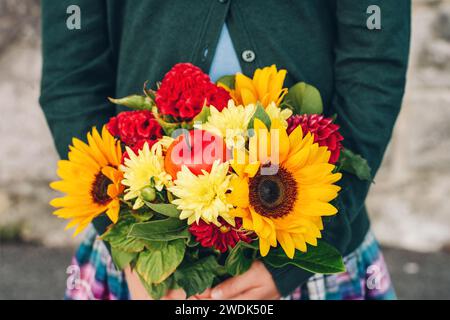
(134, 128)
(326, 133)
(184, 91)
(210, 235)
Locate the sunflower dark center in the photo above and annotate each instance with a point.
(273, 195)
(100, 189)
(270, 191)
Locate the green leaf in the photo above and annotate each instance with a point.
(304, 98)
(158, 290)
(122, 258)
(160, 230)
(118, 236)
(354, 164)
(160, 260)
(323, 259)
(168, 127)
(240, 258)
(166, 209)
(198, 276)
(136, 102)
(261, 114)
(228, 80)
(202, 117)
(141, 215)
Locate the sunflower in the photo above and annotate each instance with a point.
(90, 179)
(230, 123)
(265, 87)
(139, 169)
(287, 205)
(203, 196)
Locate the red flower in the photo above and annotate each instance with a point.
(326, 133)
(210, 235)
(133, 126)
(184, 91)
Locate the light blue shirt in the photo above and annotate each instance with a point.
(225, 60)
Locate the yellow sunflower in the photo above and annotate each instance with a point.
(265, 87)
(90, 179)
(287, 205)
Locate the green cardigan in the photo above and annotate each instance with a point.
(121, 44)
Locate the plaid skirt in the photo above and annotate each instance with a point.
(93, 276)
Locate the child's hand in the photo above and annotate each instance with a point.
(255, 284)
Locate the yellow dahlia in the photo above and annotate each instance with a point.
(139, 169)
(230, 123)
(203, 196)
(90, 179)
(287, 206)
(275, 112)
(265, 87)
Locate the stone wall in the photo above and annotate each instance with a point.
(408, 204)
(28, 157)
(410, 200)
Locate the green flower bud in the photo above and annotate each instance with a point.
(134, 102)
(148, 194)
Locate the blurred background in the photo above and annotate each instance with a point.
(409, 202)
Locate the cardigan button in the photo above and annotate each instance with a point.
(248, 55)
(223, 1)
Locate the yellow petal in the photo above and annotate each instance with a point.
(286, 243)
(240, 161)
(252, 169)
(247, 223)
(95, 149)
(243, 82)
(261, 79)
(264, 247)
(297, 160)
(113, 211)
(239, 194)
(238, 212)
(248, 97)
(283, 144)
(300, 243)
(258, 222)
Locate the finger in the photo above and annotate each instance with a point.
(252, 294)
(204, 294)
(256, 294)
(234, 286)
(135, 286)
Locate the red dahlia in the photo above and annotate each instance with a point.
(134, 128)
(210, 235)
(184, 91)
(326, 133)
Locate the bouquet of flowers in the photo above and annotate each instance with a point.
(200, 179)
